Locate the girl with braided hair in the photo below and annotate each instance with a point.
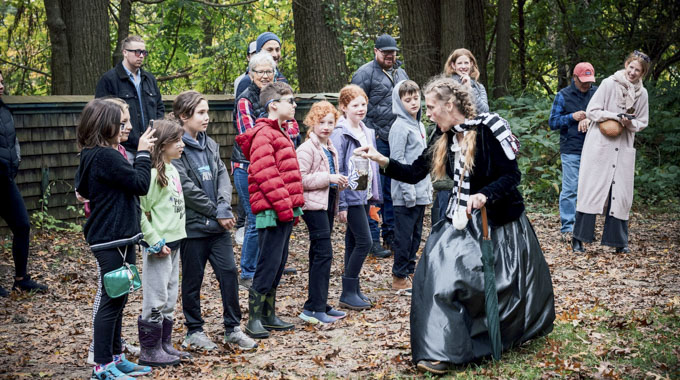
(448, 318)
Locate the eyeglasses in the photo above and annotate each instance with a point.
(138, 52)
(642, 55)
(264, 73)
(289, 100)
(388, 52)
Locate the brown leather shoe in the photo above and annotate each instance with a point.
(399, 283)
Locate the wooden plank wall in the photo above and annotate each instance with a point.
(46, 128)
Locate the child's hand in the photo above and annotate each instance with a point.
(227, 223)
(146, 140)
(342, 216)
(165, 251)
(339, 180)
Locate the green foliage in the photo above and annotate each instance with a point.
(539, 159)
(44, 221)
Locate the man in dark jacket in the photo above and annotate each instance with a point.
(377, 78)
(13, 210)
(137, 87)
(568, 115)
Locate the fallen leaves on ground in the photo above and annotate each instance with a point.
(47, 336)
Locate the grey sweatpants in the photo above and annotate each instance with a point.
(160, 281)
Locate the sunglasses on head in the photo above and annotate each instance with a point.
(138, 52)
(642, 55)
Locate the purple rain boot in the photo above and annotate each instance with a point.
(152, 353)
(167, 341)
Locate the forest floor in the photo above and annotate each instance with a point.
(618, 316)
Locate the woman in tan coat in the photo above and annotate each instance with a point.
(605, 183)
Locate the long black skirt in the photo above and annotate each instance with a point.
(448, 318)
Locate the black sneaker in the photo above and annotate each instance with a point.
(378, 252)
(3, 292)
(289, 270)
(28, 285)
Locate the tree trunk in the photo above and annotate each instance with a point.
(502, 60)
(453, 27)
(60, 59)
(123, 29)
(475, 35)
(79, 34)
(320, 56)
(421, 38)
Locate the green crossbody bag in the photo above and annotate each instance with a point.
(123, 280)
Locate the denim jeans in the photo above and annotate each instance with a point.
(386, 210)
(249, 249)
(570, 166)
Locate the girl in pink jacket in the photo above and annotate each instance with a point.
(321, 182)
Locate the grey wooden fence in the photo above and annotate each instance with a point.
(46, 128)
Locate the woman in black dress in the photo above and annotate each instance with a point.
(448, 318)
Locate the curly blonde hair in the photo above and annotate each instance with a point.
(474, 69)
(446, 89)
(318, 111)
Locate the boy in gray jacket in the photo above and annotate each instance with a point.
(407, 141)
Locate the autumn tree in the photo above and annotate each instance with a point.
(79, 31)
(321, 64)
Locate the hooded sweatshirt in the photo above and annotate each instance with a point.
(113, 187)
(407, 141)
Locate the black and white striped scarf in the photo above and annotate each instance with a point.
(501, 130)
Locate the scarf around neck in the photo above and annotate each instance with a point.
(460, 194)
(627, 93)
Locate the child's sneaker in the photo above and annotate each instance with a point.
(131, 369)
(335, 313)
(109, 372)
(315, 317)
(198, 340)
(238, 337)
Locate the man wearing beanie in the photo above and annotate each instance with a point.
(270, 43)
(377, 78)
(568, 115)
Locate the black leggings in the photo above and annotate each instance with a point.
(358, 240)
(109, 318)
(14, 213)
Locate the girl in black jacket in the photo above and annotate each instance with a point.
(113, 187)
(448, 318)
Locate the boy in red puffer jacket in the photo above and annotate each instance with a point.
(275, 187)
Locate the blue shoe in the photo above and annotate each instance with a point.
(335, 313)
(131, 369)
(315, 317)
(109, 372)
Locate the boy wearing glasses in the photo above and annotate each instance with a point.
(137, 87)
(276, 200)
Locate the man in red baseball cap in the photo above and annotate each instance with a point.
(568, 115)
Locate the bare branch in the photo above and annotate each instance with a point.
(149, 1)
(216, 5)
(25, 67)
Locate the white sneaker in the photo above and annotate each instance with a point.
(90, 358)
(239, 235)
(238, 337)
(198, 340)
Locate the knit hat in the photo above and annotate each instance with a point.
(264, 38)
